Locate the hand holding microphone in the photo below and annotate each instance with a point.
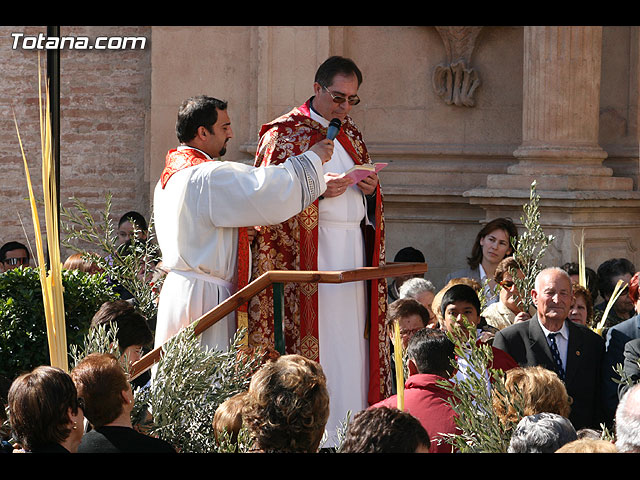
(333, 128)
(324, 148)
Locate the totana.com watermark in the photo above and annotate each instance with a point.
(44, 42)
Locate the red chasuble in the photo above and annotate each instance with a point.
(179, 159)
(293, 245)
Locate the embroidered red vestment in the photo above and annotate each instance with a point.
(293, 245)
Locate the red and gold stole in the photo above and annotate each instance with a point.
(180, 158)
(293, 245)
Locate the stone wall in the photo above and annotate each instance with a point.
(104, 107)
(454, 110)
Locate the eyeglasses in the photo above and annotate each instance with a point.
(409, 332)
(16, 261)
(337, 98)
(507, 284)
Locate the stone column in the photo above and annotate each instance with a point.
(560, 151)
(561, 103)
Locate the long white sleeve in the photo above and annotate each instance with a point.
(197, 213)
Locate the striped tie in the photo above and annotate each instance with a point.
(556, 355)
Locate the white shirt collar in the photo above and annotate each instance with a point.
(318, 118)
(483, 274)
(564, 331)
(185, 147)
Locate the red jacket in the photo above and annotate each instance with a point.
(428, 402)
(502, 360)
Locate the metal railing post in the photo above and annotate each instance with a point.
(278, 317)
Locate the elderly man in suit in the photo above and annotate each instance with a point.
(552, 341)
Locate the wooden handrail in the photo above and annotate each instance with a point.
(280, 276)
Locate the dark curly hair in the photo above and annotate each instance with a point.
(384, 430)
(579, 290)
(287, 405)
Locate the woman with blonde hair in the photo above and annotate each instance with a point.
(287, 406)
(535, 390)
(588, 445)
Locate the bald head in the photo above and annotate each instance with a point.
(553, 272)
(552, 296)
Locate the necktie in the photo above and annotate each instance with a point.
(556, 355)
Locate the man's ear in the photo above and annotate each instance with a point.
(411, 365)
(202, 132)
(127, 396)
(534, 297)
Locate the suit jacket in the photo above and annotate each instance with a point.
(526, 343)
(631, 367)
(465, 273)
(617, 337)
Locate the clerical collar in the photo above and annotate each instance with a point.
(185, 147)
(315, 115)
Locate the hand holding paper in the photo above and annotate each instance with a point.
(368, 184)
(359, 172)
(366, 176)
(336, 184)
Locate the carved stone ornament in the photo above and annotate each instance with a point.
(456, 81)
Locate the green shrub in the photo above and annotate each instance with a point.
(23, 326)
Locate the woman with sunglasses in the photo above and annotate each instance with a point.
(45, 412)
(507, 310)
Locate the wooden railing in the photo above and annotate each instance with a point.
(278, 278)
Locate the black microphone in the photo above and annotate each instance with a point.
(333, 128)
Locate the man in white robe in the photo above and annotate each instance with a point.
(344, 344)
(201, 204)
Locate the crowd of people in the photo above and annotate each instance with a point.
(566, 399)
(220, 224)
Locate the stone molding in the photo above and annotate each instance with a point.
(455, 81)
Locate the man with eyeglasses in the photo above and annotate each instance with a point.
(339, 325)
(13, 255)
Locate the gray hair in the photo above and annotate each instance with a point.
(415, 286)
(541, 433)
(628, 421)
(549, 270)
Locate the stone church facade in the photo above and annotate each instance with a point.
(466, 117)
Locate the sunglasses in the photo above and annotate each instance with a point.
(337, 98)
(16, 261)
(507, 284)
